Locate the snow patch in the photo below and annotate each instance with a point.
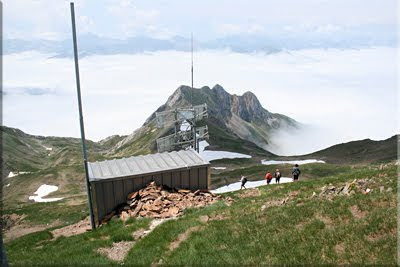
(13, 174)
(300, 162)
(7, 185)
(250, 184)
(214, 155)
(48, 148)
(218, 168)
(43, 191)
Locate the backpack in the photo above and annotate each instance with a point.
(296, 171)
(278, 175)
(244, 180)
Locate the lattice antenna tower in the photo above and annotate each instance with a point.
(183, 138)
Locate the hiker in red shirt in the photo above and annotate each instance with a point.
(268, 177)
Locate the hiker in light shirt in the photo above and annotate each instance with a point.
(277, 176)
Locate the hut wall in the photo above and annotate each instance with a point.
(108, 194)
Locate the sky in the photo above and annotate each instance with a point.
(50, 19)
(341, 93)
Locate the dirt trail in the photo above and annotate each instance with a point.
(118, 251)
(357, 213)
(182, 238)
(250, 193)
(15, 227)
(177, 242)
(141, 233)
(21, 230)
(73, 229)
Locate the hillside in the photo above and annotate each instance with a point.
(337, 158)
(36, 160)
(310, 222)
(58, 160)
(30, 153)
(357, 152)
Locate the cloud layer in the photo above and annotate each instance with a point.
(342, 94)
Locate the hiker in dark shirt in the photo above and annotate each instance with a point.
(296, 172)
(277, 176)
(243, 180)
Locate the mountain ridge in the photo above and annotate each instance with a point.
(242, 116)
(365, 150)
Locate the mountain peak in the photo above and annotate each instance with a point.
(221, 103)
(243, 116)
(179, 97)
(249, 94)
(218, 87)
(251, 100)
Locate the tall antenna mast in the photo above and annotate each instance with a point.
(183, 138)
(78, 87)
(195, 146)
(191, 92)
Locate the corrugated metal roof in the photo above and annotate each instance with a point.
(144, 164)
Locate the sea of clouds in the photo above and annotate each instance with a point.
(340, 95)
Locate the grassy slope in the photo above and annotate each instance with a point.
(39, 249)
(223, 139)
(306, 230)
(62, 166)
(144, 142)
(362, 151)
